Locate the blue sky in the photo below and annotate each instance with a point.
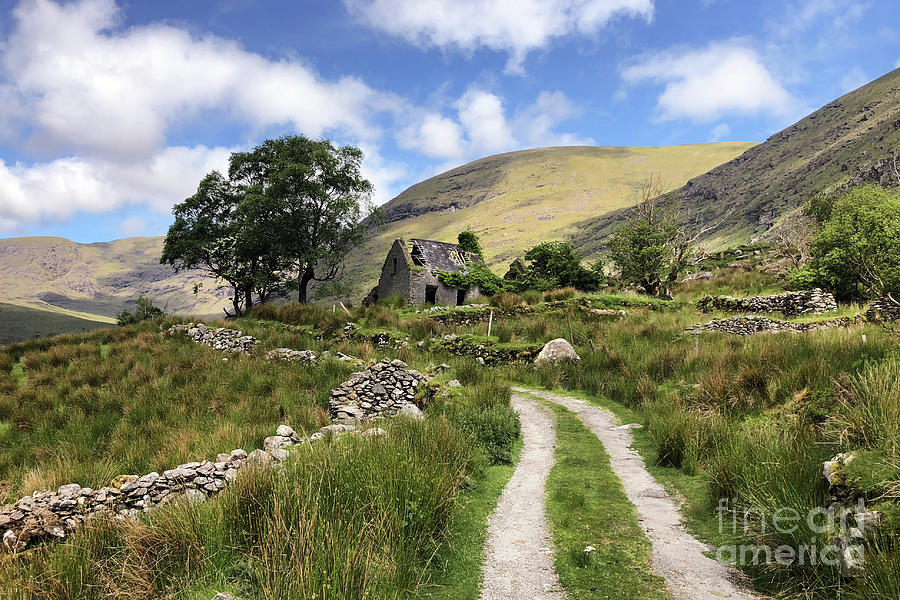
(113, 111)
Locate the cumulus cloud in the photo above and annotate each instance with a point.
(513, 26)
(703, 85)
(58, 189)
(480, 124)
(84, 84)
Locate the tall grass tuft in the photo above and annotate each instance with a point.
(869, 409)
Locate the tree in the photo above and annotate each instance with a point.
(856, 254)
(144, 311)
(651, 249)
(211, 233)
(307, 198)
(468, 241)
(558, 264)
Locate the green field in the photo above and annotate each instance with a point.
(20, 323)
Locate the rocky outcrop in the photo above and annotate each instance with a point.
(384, 389)
(50, 515)
(749, 325)
(219, 338)
(556, 351)
(790, 304)
(883, 309)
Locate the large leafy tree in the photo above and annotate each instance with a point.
(307, 198)
(558, 264)
(210, 233)
(856, 253)
(645, 250)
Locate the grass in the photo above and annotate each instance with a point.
(353, 518)
(455, 572)
(587, 507)
(20, 323)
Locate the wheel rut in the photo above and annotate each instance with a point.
(678, 557)
(518, 552)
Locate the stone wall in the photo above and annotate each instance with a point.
(384, 389)
(219, 338)
(790, 304)
(749, 325)
(50, 515)
(485, 351)
(883, 310)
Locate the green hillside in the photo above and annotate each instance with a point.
(849, 141)
(19, 323)
(516, 200)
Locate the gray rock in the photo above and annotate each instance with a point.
(225, 596)
(454, 383)
(71, 490)
(260, 458)
(555, 351)
(279, 454)
(411, 411)
(285, 431)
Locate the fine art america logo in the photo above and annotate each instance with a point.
(824, 536)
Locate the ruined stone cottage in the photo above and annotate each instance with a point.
(410, 270)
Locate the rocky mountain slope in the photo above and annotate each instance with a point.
(97, 281)
(849, 141)
(518, 199)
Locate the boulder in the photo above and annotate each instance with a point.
(412, 411)
(555, 351)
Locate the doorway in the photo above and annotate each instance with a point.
(430, 294)
(460, 296)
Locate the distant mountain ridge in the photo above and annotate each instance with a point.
(97, 281)
(849, 141)
(518, 199)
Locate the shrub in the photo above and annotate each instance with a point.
(857, 252)
(559, 294)
(144, 311)
(506, 300)
(869, 412)
(555, 264)
(468, 241)
(532, 297)
(494, 429)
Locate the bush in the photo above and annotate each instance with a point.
(559, 294)
(506, 300)
(857, 252)
(555, 264)
(532, 297)
(144, 312)
(494, 429)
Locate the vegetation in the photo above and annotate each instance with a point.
(144, 311)
(468, 241)
(19, 323)
(473, 275)
(551, 265)
(600, 550)
(289, 209)
(856, 254)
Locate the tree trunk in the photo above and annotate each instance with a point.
(303, 283)
(236, 303)
(248, 297)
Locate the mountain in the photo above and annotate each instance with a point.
(849, 141)
(518, 199)
(97, 281)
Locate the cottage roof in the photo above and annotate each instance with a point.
(440, 256)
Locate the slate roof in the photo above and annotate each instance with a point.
(440, 256)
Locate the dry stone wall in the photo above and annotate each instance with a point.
(883, 310)
(50, 515)
(384, 389)
(790, 304)
(749, 325)
(219, 338)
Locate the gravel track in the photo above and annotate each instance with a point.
(678, 557)
(518, 555)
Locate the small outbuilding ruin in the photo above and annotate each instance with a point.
(410, 271)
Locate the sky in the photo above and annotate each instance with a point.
(111, 112)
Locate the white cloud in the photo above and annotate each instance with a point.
(133, 226)
(725, 78)
(513, 26)
(58, 189)
(482, 125)
(78, 82)
(719, 131)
